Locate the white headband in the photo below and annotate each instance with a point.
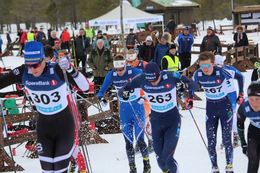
(131, 57)
(119, 63)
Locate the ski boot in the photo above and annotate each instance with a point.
(235, 140)
(215, 170)
(229, 168)
(132, 168)
(147, 166)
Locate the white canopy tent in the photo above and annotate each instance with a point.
(131, 16)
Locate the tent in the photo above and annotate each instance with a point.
(131, 16)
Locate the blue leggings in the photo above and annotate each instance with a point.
(165, 134)
(219, 111)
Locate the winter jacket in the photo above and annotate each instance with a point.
(185, 43)
(130, 39)
(211, 43)
(159, 52)
(106, 44)
(23, 38)
(65, 36)
(240, 39)
(51, 41)
(146, 53)
(81, 46)
(100, 61)
(41, 37)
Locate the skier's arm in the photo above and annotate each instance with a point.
(134, 83)
(107, 82)
(235, 74)
(240, 125)
(14, 76)
(75, 77)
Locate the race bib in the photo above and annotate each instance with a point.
(217, 92)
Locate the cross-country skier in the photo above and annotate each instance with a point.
(132, 118)
(218, 107)
(45, 84)
(232, 95)
(251, 109)
(160, 90)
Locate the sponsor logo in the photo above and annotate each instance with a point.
(218, 81)
(38, 83)
(207, 82)
(168, 85)
(53, 82)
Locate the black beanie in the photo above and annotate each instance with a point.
(254, 89)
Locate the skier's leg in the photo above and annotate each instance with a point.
(253, 149)
(64, 142)
(157, 135)
(226, 127)
(45, 144)
(171, 138)
(211, 131)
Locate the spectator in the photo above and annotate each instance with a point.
(131, 39)
(52, 38)
(185, 41)
(30, 36)
(90, 32)
(1, 43)
(56, 49)
(161, 48)
(240, 37)
(211, 42)
(19, 35)
(256, 72)
(81, 47)
(49, 33)
(146, 51)
(100, 60)
(171, 25)
(22, 42)
(8, 38)
(49, 53)
(100, 36)
(41, 37)
(65, 39)
(171, 61)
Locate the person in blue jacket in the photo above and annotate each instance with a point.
(161, 48)
(1, 43)
(218, 106)
(251, 109)
(160, 89)
(232, 94)
(185, 41)
(132, 115)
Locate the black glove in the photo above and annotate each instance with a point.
(189, 104)
(102, 101)
(244, 149)
(240, 98)
(126, 95)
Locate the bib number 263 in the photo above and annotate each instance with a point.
(160, 98)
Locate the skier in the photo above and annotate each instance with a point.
(45, 84)
(232, 95)
(131, 112)
(251, 109)
(218, 107)
(160, 89)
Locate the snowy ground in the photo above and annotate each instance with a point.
(190, 153)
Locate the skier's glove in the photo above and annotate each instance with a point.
(141, 100)
(244, 149)
(64, 63)
(125, 95)
(189, 104)
(103, 101)
(240, 98)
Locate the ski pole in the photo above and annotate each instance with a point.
(9, 146)
(198, 129)
(199, 107)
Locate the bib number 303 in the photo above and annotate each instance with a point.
(46, 99)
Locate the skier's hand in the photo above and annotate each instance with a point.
(103, 101)
(64, 63)
(244, 149)
(240, 98)
(124, 94)
(189, 104)
(141, 100)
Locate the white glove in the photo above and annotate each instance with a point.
(103, 101)
(64, 63)
(141, 100)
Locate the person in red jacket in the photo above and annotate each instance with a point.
(65, 39)
(22, 42)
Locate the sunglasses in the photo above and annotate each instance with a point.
(119, 69)
(34, 65)
(204, 66)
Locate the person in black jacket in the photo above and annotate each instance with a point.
(131, 39)
(146, 51)
(256, 73)
(211, 42)
(81, 46)
(53, 37)
(240, 37)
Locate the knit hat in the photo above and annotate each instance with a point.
(210, 28)
(33, 52)
(152, 71)
(219, 60)
(172, 46)
(254, 89)
(148, 38)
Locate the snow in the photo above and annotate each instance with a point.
(191, 153)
